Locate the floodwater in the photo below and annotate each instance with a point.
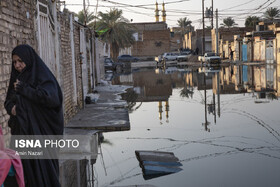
(222, 124)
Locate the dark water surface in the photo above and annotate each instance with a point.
(223, 125)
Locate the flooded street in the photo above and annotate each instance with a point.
(221, 123)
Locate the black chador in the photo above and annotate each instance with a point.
(38, 101)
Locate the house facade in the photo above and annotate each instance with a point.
(194, 40)
(151, 39)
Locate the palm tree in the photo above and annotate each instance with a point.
(183, 23)
(115, 30)
(186, 92)
(228, 22)
(252, 21)
(272, 13)
(89, 15)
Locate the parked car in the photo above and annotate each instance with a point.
(186, 50)
(127, 58)
(109, 64)
(210, 58)
(184, 56)
(167, 56)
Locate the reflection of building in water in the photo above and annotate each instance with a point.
(152, 87)
(123, 80)
(156, 87)
(201, 82)
(160, 111)
(277, 82)
(167, 110)
(262, 80)
(230, 81)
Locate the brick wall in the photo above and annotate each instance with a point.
(176, 42)
(155, 42)
(190, 40)
(70, 105)
(277, 46)
(16, 27)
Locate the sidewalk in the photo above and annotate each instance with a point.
(108, 113)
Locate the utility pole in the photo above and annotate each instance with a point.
(85, 14)
(203, 31)
(95, 46)
(217, 33)
(219, 101)
(212, 15)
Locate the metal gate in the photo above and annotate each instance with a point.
(245, 74)
(270, 76)
(244, 53)
(46, 36)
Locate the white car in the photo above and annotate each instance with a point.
(167, 56)
(184, 56)
(210, 58)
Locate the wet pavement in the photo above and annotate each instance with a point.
(107, 112)
(222, 124)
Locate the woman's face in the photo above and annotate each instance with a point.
(18, 63)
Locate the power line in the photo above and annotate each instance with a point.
(237, 14)
(250, 1)
(144, 5)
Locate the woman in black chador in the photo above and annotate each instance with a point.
(34, 103)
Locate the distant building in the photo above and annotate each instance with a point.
(194, 39)
(261, 44)
(177, 37)
(151, 39)
(155, 38)
(226, 39)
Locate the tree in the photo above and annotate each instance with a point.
(228, 22)
(186, 92)
(183, 23)
(89, 15)
(115, 30)
(272, 13)
(252, 21)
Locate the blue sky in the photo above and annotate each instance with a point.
(143, 11)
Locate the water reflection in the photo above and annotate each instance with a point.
(262, 82)
(238, 144)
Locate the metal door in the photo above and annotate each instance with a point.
(46, 36)
(245, 74)
(244, 53)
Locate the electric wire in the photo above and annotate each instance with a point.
(237, 14)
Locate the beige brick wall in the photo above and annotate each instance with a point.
(278, 47)
(16, 27)
(155, 42)
(176, 42)
(70, 106)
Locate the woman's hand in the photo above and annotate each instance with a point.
(16, 84)
(19, 85)
(14, 110)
